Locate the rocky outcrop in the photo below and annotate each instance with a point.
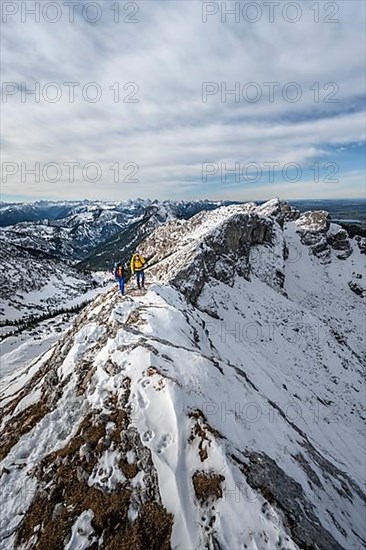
(223, 254)
(361, 243)
(219, 252)
(339, 241)
(314, 221)
(321, 236)
(357, 288)
(312, 227)
(357, 285)
(353, 229)
(280, 210)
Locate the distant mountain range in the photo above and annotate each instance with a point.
(15, 212)
(91, 233)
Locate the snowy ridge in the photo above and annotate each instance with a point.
(231, 416)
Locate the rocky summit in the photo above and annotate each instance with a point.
(222, 408)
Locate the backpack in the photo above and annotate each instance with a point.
(119, 271)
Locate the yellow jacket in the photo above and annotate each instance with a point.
(137, 263)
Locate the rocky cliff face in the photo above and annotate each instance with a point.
(218, 254)
(223, 408)
(216, 245)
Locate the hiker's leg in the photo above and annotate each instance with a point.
(142, 278)
(122, 285)
(138, 278)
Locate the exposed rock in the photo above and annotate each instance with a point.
(212, 254)
(278, 488)
(222, 255)
(361, 243)
(357, 288)
(281, 211)
(354, 229)
(314, 221)
(321, 236)
(207, 486)
(319, 245)
(338, 240)
(312, 227)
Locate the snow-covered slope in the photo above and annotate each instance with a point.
(223, 409)
(34, 284)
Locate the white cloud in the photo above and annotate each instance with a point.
(170, 131)
(354, 180)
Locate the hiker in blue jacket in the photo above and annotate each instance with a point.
(119, 274)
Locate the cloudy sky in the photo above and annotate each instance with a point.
(138, 103)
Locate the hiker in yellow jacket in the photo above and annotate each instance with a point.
(137, 268)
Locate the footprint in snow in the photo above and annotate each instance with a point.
(164, 443)
(142, 401)
(147, 436)
(145, 382)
